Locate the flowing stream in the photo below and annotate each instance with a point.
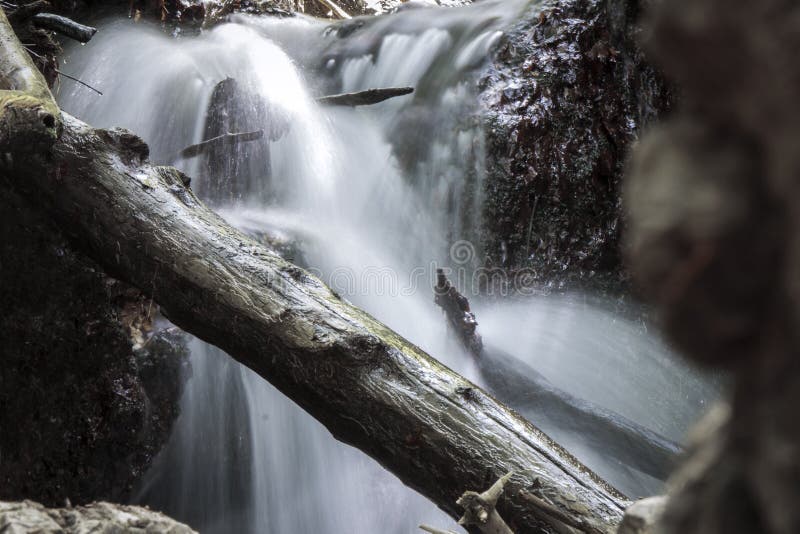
(372, 199)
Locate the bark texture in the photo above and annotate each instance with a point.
(436, 431)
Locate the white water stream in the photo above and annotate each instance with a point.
(373, 222)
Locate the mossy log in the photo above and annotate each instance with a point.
(437, 432)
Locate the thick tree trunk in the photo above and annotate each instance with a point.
(372, 389)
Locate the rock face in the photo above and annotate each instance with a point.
(82, 412)
(32, 518)
(565, 97)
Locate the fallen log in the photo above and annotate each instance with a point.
(64, 26)
(364, 98)
(371, 388)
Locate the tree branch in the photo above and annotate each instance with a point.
(364, 98)
(64, 26)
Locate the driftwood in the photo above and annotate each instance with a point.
(335, 9)
(480, 510)
(371, 388)
(64, 26)
(364, 98)
(227, 139)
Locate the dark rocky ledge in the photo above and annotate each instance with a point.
(87, 392)
(565, 97)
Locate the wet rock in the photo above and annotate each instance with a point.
(87, 392)
(565, 97)
(28, 517)
(229, 172)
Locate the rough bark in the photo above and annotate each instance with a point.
(372, 389)
(435, 430)
(365, 98)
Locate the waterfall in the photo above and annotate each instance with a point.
(371, 199)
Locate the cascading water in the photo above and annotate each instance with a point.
(372, 199)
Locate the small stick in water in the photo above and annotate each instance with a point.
(74, 79)
(364, 98)
(224, 139)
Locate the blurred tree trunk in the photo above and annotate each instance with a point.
(714, 204)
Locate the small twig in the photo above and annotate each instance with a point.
(364, 98)
(74, 79)
(32, 52)
(224, 139)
